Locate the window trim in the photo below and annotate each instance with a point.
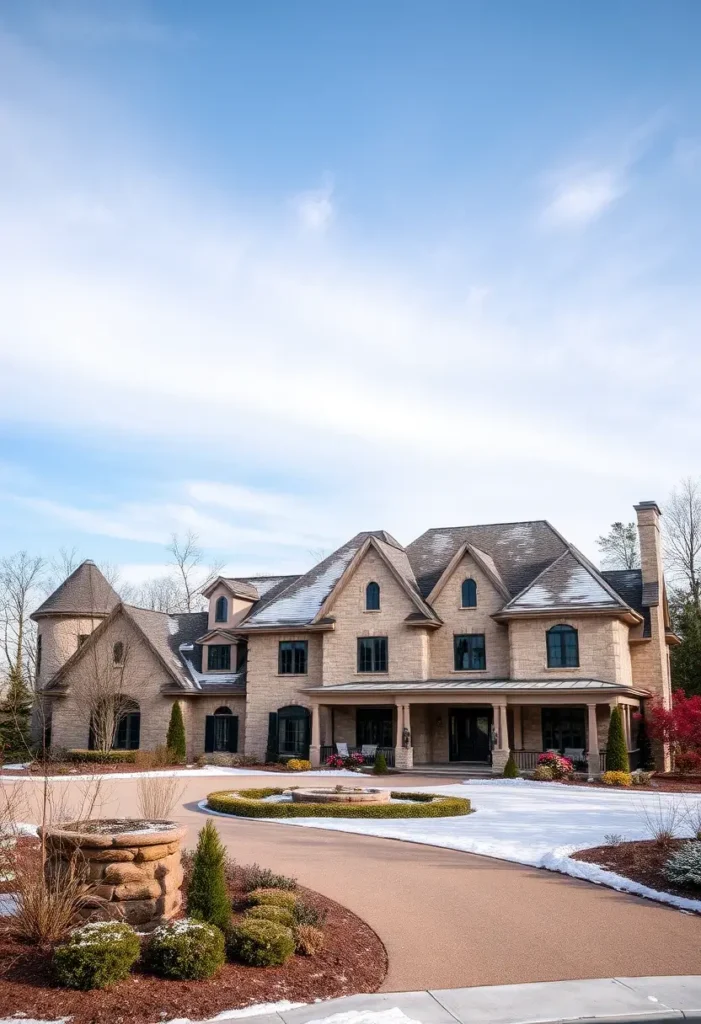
(225, 605)
(561, 630)
(376, 585)
(372, 671)
(469, 636)
(303, 645)
(212, 647)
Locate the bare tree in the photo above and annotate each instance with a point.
(20, 578)
(682, 518)
(619, 547)
(160, 594)
(188, 570)
(99, 685)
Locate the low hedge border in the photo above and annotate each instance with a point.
(249, 804)
(102, 756)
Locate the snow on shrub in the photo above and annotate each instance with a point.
(684, 867)
(96, 955)
(187, 950)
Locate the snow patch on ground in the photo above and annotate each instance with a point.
(186, 773)
(393, 1016)
(255, 1010)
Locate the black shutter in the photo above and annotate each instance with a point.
(233, 737)
(91, 734)
(209, 734)
(272, 751)
(134, 730)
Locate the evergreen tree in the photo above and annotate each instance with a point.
(616, 749)
(686, 657)
(207, 898)
(175, 740)
(15, 715)
(510, 768)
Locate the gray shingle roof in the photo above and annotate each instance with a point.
(629, 584)
(567, 583)
(84, 592)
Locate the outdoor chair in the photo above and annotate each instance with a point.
(369, 751)
(342, 749)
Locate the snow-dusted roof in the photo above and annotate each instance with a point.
(567, 583)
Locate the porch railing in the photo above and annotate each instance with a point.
(327, 750)
(633, 758)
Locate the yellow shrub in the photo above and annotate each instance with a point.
(273, 898)
(616, 779)
(298, 764)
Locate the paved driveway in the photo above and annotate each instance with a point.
(450, 918)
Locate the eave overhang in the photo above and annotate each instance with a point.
(628, 615)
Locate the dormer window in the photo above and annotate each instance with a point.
(118, 653)
(221, 609)
(372, 597)
(469, 594)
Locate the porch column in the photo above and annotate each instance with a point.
(315, 746)
(403, 755)
(500, 754)
(592, 741)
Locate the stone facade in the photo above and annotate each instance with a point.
(602, 654)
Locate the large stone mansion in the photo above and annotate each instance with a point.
(466, 643)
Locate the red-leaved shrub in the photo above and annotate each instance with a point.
(687, 761)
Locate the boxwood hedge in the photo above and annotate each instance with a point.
(250, 804)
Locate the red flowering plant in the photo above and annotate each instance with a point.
(560, 766)
(353, 761)
(679, 726)
(334, 761)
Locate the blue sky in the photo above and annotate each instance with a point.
(278, 272)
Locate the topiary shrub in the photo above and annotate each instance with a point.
(308, 939)
(510, 768)
(96, 955)
(298, 764)
(543, 773)
(253, 876)
(175, 740)
(266, 912)
(272, 898)
(260, 943)
(207, 897)
(684, 867)
(187, 950)
(616, 747)
(380, 765)
(617, 779)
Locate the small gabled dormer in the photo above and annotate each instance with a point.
(230, 601)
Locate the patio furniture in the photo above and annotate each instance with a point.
(369, 751)
(342, 749)
(577, 756)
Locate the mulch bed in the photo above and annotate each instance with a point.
(658, 784)
(642, 861)
(60, 768)
(353, 960)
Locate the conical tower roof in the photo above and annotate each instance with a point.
(84, 592)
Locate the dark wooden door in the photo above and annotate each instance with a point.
(469, 734)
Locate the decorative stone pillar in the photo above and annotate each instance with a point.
(134, 866)
(403, 754)
(593, 765)
(315, 746)
(500, 754)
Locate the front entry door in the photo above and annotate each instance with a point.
(469, 734)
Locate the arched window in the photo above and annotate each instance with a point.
(221, 609)
(221, 732)
(128, 730)
(372, 597)
(469, 594)
(118, 653)
(293, 731)
(563, 647)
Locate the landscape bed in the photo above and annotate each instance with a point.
(352, 960)
(642, 861)
(255, 803)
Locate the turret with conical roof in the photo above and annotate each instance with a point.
(69, 615)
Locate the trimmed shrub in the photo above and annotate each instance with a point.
(510, 768)
(687, 761)
(207, 897)
(102, 756)
(298, 764)
(617, 779)
(308, 940)
(380, 765)
(187, 950)
(260, 943)
(253, 876)
(248, 804)
(267, 912)
(223, 760)
(175, 740)
(560, 766)
(272, 898)
(96, 955)
(616, 748)
(684, 867)
(543, 773)
(305, 913)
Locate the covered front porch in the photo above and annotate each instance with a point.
(469, 724)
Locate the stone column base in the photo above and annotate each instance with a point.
(593, 765)
(315, 756)
(403, 757)
(499, 759)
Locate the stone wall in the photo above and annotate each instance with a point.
(195, 713)
(59, 641)
(600, 650)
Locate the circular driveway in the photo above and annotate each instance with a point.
(447, 918)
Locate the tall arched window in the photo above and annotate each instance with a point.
(469, 594)
(372, 597)
(221, 609)
(563, 647)
(293, 731)
(118, 653)
(128, 730)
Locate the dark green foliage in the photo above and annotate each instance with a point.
(186, 950)
(278, 914)
(207, 898)
(616, 749)
(175, 739)
(306, 914)
(422, 805)
(686, 657)
(253, 876)
(102, 756)
(96, 955)
(15, 714)
(380, 765)
(510, 769)
(647, 758)
(260, 943)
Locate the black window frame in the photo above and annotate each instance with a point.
(373, 654)
(476, 646)
(222, 602)
(468, 593)
(372, 603)
(211, 658)
(292, 657)
(563, 727)
(118, 653)
(559, 653)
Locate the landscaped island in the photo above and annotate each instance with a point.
(343, 802)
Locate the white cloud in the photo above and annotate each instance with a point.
(315, 210)
(582, 197)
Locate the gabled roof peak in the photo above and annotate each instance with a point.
(84, 592)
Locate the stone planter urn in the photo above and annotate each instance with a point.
(132, 867)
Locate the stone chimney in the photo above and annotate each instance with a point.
(649, 515)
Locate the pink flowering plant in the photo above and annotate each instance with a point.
(353, 761)
(560, 766)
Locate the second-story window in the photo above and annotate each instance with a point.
(563, 647)
(292, 657)
(470, 654)
(372, 597)
(118, 653)
(221, 610)
(219, 657)
(372, 654)
(469, 594)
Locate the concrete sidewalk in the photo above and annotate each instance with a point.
(616, 999)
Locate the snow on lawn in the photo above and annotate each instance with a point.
(183, 773)
(534, 823)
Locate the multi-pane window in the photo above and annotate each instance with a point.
(469, 652)
(118, 653)
(372, 597)
(563, 728)
(469, 594)
(563, 647)
(219, 657)
(221, 609)
(292, 657)
(372, 654)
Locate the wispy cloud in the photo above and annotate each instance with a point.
(315, 209)
(581, 197)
